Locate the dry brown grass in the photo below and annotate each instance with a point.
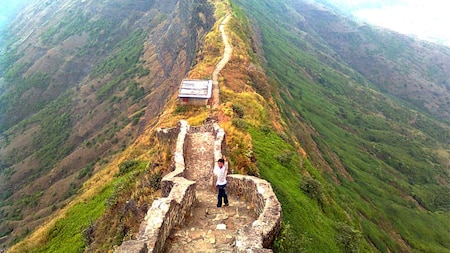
(144, 148)
(237, 87)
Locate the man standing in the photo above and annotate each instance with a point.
(221, 173)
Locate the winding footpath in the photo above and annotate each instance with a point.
(228, 50)
(209, 229)
(186, 218)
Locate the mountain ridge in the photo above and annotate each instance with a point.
(337, 148)
(79, 131)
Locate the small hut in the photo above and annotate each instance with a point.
(195, 92)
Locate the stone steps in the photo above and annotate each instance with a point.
(200, 158)
(186, 218)
(208, 229)
(211, 229)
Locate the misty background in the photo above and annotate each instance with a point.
(423, 19)
(8, 10)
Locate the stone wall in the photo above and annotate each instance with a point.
(219, 143)
(171, 210)
(262, 232)
(258, 236)
(179, 197)
(178, 166)
(163, 216)
(168, 134)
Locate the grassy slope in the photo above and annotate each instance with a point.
(249, 120)
(79, 91)
(100, 216)
(120, 94)
(393, 169)
(328, 221)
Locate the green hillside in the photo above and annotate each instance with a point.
(79, 82)
(349, 123)
(379, 161)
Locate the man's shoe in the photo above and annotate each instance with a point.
(226, 204)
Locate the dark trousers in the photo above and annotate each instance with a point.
(222, 194)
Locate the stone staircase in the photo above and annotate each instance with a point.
(208, 229)
(186, 218)
(199, 158)
(211, 229)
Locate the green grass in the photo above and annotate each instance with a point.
(68, 233)
(310, 225)
(392, 163)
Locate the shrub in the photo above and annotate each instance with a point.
(285, 157)
(238, 110)
(266, 129)
(287, 241)
(181, 109)
(155, 180)
(127, 166)
(86, 171)
(240, 124)
(349, 238)
(313, 188)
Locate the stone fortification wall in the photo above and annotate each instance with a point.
(261, 233)
(163, 216)
(219, 142)
(171, 210)
(168, 134)
(179, 196)
(178, 166)
(258, 236)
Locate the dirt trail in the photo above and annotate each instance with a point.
(209, 228)
(215, 101)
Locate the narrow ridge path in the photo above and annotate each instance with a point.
(215, 101)
(208, 229)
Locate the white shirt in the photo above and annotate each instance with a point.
(221, 174)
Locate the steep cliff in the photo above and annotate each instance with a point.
(369, 108)
(80, 81)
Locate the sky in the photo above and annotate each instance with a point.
(424, 19)
(8, 9)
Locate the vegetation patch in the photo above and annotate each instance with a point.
(66, 235)
(364, 140)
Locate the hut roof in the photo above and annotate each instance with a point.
(190, 88)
